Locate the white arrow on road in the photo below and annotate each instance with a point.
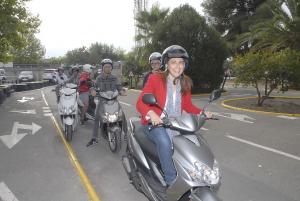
(33, 127)
(238, 117)
(24, 111)
(12, 139)
(6, 194)
(25, 99)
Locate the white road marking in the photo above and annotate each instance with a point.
(264, 147)
(238, 117)
(25, 99)
(46, 108)
(24, 111)
(125, 104)
(48, 114)
(43, 95)
(12, 139)
(46, 111)
(6, 194)
(287, 117)
(205, 129)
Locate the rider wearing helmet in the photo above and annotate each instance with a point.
(85, 84)
(61, 79)
(172, 89)
(154, 61)
(104, 82)
(74, 76)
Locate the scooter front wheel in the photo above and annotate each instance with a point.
(114, 140)
(69, 133)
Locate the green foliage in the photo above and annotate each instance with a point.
(93, 55)
(267, 67)
(233, 17)
(207, 51)
(16, 24)
(32, 53)
(279, 32)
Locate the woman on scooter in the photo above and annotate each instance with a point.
(172, 89)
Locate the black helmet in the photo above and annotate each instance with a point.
(106, 61)
(174, 51)
(154, 56)
(74, 68)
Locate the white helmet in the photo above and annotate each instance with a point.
(154, 56)
(87, 68)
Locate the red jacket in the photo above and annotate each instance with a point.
(83, 82)
(157, 87)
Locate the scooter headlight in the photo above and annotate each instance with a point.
(202, 172)
(112, 117)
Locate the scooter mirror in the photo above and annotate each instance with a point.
(149, 99)
(215, 94)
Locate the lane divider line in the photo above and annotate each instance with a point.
(125, 104)
(43, 95)
(83, 176)
(264, 147)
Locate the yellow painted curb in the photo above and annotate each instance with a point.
(85, 180)
(257, 111)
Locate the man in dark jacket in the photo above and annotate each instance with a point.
(104, 82)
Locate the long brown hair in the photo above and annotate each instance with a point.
(185, 81)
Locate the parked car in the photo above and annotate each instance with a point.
(25, 76)
(49, 74)
(2, 74)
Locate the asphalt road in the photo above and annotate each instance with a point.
(259, 155)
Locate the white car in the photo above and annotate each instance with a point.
(2, 74)
(25, 76)
(49, 74)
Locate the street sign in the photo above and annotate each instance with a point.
(11, 140)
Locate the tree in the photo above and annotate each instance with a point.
(232, 18)
(147, 22)
(267, 68)
(77, 56)
(281, 31)
(207, 51)
(99, 51)
(16, 22)
(32, 53)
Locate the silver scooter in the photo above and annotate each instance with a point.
(68, 109)
(198, 174)
(112, 119)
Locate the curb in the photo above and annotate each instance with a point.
(258, 111)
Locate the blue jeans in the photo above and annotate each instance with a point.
(163, 144)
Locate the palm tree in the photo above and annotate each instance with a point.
(147, 22)
(279, 32)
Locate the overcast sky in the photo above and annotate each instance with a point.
(69, 24)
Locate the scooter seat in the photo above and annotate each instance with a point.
(146, 144)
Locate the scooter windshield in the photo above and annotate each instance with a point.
(187, 122)
(109, 95)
